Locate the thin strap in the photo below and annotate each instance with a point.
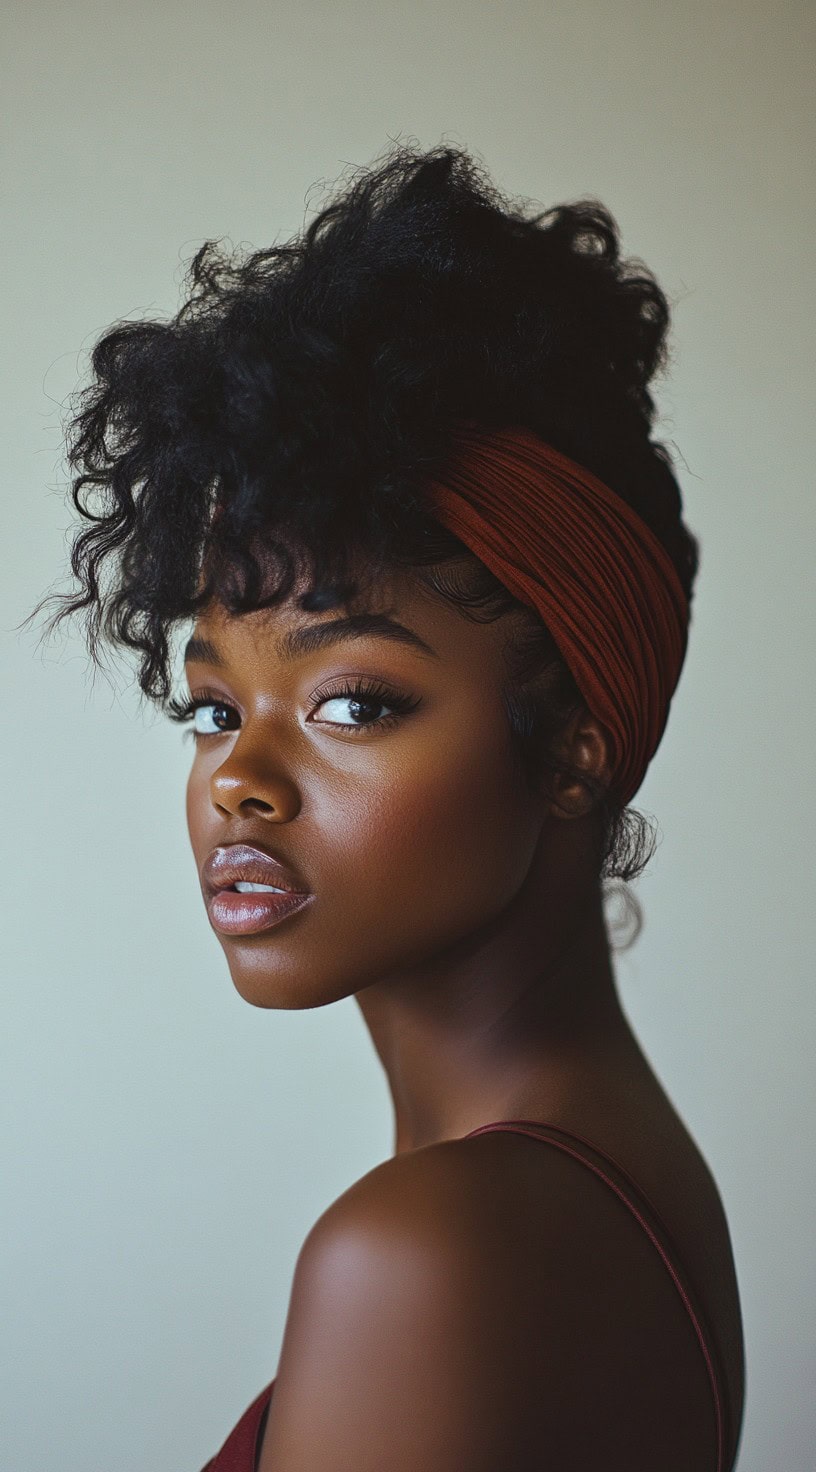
(240, 1450)
(641, 1209)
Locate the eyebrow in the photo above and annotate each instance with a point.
(308, 638)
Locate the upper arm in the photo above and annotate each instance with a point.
(386, 1353)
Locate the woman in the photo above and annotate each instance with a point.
(396, 478)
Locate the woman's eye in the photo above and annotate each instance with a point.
(212, 718)
(338, 705)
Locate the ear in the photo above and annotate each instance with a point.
(584, 743)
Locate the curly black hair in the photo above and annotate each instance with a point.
(281, 424)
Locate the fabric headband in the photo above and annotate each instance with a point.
(576, 553)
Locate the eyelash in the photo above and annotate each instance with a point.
(364, 690)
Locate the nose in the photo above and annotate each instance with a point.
(250, 780)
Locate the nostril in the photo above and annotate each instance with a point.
(252, 788)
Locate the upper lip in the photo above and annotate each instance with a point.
(242, 862)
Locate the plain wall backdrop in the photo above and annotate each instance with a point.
(167, 1146)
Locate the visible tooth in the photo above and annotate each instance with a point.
(244, 887)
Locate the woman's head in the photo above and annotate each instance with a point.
(265, 450)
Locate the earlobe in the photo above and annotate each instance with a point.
(584, 748)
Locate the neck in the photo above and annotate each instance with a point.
(521, 1020)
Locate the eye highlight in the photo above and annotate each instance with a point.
(212, 718)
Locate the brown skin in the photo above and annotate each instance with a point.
(464, 913)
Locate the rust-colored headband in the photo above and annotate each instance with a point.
(568, 547)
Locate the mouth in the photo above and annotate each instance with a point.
(247, 890)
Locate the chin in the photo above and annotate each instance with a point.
(260, 979)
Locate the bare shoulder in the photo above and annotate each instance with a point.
(474, 1305)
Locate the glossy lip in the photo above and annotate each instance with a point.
(232, 863)
(247, 914)
(236, 913)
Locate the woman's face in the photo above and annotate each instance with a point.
(402, 811)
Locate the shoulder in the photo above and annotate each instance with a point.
(449, 1210)
(439, 1297)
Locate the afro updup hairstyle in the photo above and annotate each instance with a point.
(283, 422)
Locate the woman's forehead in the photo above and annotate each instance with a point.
(398, 607)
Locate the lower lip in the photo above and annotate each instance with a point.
(247, 914)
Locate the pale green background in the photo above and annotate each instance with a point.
(167, 1145)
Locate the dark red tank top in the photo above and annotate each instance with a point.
(240, 1450)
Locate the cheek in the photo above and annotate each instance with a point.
(442, 841)
(202, 818)
(193, 805)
